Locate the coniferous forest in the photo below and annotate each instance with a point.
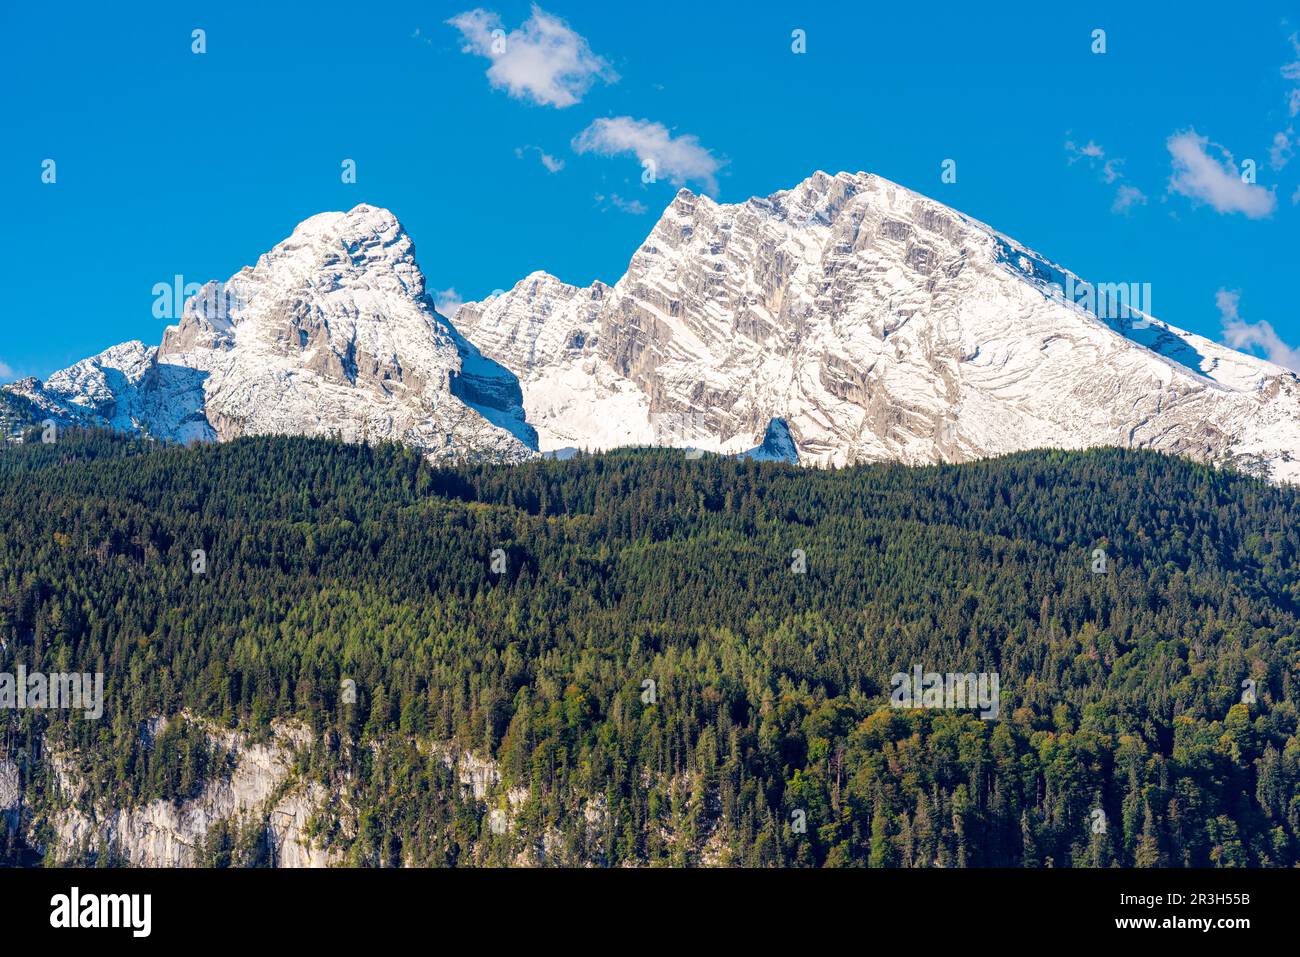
(669, 661)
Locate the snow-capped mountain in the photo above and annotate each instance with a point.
(331, 333)
(876, 324)
(845, 320)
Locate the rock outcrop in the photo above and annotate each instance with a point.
(877, 324)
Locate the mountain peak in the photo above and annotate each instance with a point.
(358, 250)
(846, 319)
(330, 333)
(362, 222)
(873, 323)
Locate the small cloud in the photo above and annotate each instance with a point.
(1126, 197)
(1258, 335)
(634, 206)
(1291, 71)
(552, 164)
(447, 302)
(417, 35)
(544, 60)
(1295, 197)
(678, 158)
(1202, 178)
(1090, 151)
(1279, 154)
(6, 371)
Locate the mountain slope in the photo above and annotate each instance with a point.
(483, 690)
(879, 325)
(331, 332)
(873, 323)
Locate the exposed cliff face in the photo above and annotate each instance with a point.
(262, 793)
(330, 333)
(264, 796)
(481, 779)
(8, 786)
(261, 790)
(877, 324)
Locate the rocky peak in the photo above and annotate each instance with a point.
(330, 332)
(876, 323)
(845, 319)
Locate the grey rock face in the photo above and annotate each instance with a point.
(878, 325)
(262, 790)
(330, 333)
(875, 323)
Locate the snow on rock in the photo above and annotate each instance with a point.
(877, 325)
(873, 323)
(330, 333)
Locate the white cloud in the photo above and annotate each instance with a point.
(1089, 151)
(1200, 177)
(633, 206)
(1292, 72)
(6, 371)
(1258, 335)
(678, 159)
(552, 164)
(447, 302)
(1279, 154)
(1281, 151)
(544, 60)
(1126, 197)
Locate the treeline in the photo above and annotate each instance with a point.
(674, 661)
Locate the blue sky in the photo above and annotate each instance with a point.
(169, 162)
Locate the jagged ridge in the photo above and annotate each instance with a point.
(879, 325)
(874, 323)
(330, 333)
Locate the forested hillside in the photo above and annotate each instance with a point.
(324, 562)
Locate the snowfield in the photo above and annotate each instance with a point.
(845, 320)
